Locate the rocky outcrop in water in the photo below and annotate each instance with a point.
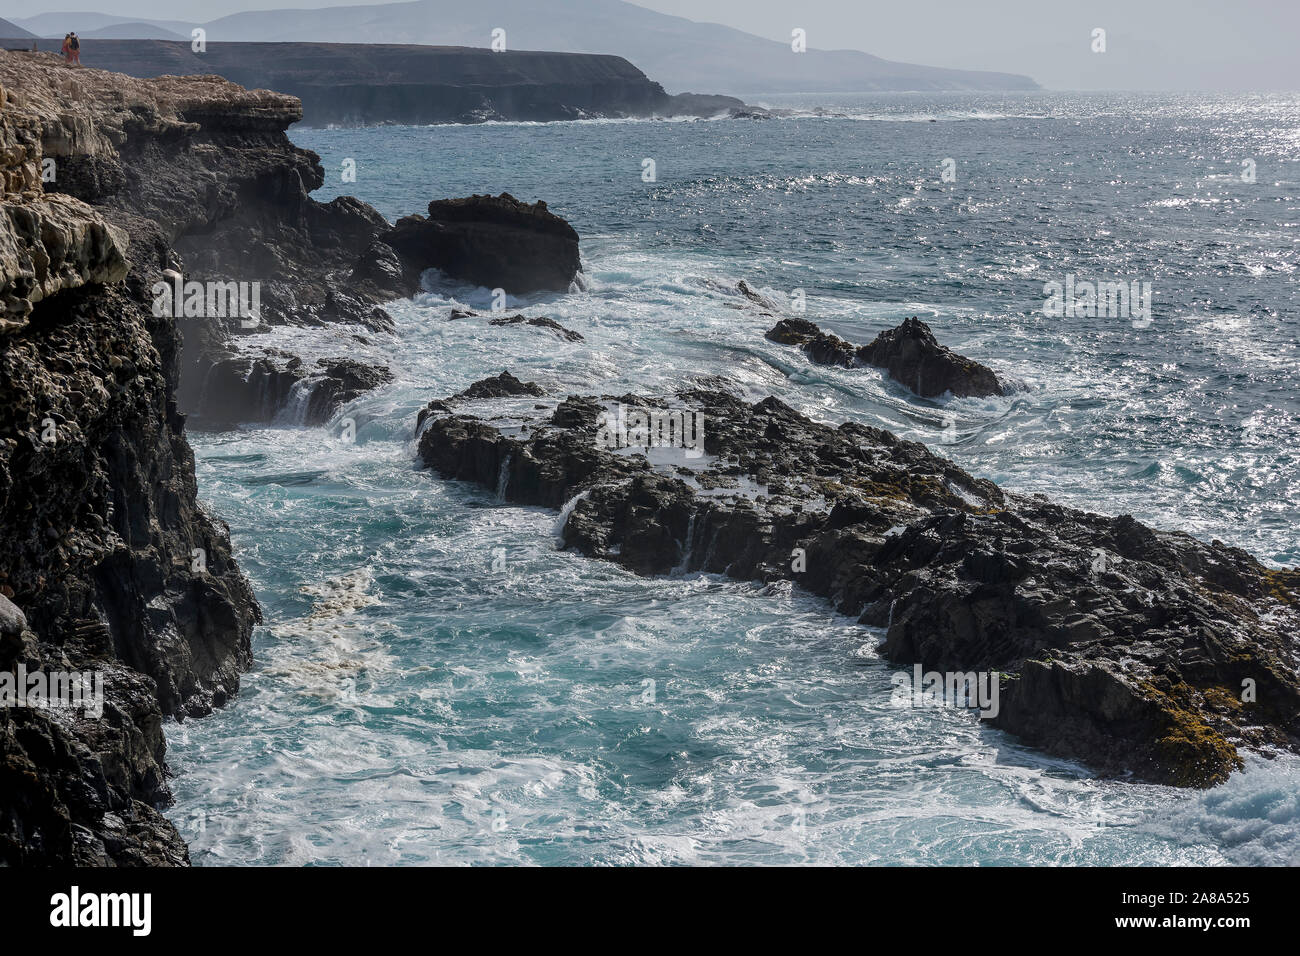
(492, 241)
(500, 386)
(537, 321)
(279, 387)
(909, 352)
(541, 322)
(1141, 653)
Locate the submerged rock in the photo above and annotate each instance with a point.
(541, 321)
(909, 352)
(1123, 647)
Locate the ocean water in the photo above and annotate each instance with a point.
(438, 683)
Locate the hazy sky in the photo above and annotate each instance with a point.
(1152, 44)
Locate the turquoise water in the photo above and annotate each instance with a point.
(436, 682)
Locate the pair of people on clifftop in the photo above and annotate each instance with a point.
(72, 49)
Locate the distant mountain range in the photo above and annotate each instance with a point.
(679, 53)
(10, 31)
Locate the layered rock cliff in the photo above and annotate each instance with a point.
(354, 84)
(107, 556)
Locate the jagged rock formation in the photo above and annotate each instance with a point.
(504, 385)
(103, 546)
(500, 386)
(909, 352)
(353, 84)
(1123, 647)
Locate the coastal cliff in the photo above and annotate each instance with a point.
(108, 563)
(117, 192)
(353, 84)
(1117, 644)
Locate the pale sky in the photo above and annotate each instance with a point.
(1153, 44)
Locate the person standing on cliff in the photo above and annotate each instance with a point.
(74, 49)
(66, 49)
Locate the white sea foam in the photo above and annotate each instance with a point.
(561, 709)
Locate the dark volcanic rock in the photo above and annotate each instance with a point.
(541, 321)
(500, 386)
(492, 241)
(104, 547)
(911, 355)
(909, 352)
(238, 389)
(822, 347)
(1117, 645)
(117, 568)
(343, 380)
(504, 385)
(244, 389)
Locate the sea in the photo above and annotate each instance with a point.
(438, 682)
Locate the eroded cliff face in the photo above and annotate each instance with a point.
(116, 188)
(50, 246)
(109, 561)
(202, 175)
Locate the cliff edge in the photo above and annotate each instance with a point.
(109, 565)
(365, 84)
